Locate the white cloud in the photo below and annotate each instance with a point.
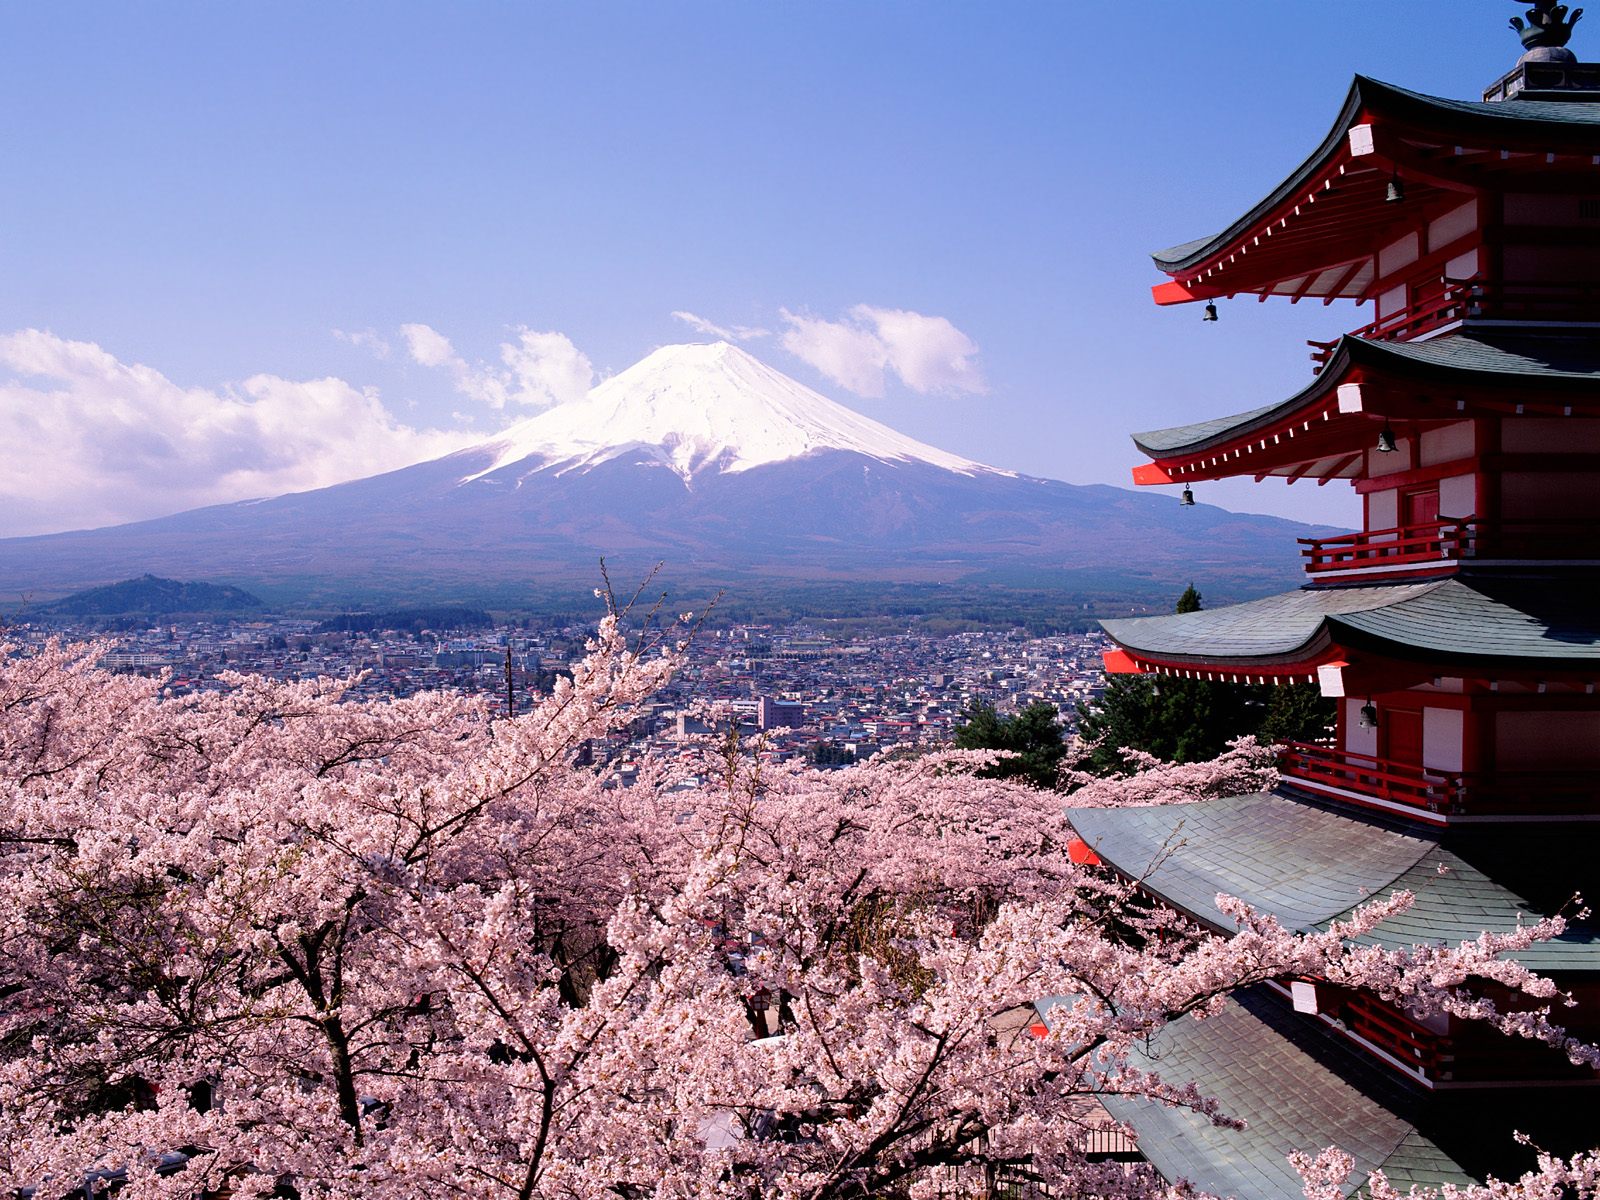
(853, 358)
(929, 354)
(369, 340)
(538, 369)
(736, 333)
(428, 346)
(88, 440)
(546, 369)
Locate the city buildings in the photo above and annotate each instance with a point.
(1458, 630)
(832, 700)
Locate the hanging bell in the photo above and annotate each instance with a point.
(1386, 440)
(1369, 716)
(1187, 499)
(1210, 313)
(1395, 193)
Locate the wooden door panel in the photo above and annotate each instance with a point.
(1402, 735)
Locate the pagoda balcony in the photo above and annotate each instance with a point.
(1441, 547)
(1461, 302)
(1438, 796)
(1461, 1054)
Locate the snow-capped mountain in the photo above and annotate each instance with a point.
(702, 457)
(705, 408)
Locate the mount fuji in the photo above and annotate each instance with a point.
(700, 456)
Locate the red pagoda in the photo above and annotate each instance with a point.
(1459, 630)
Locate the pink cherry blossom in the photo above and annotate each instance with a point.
(274, 936)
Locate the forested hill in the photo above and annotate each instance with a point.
(151, 595)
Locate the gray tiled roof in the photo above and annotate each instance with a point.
(1275, 626)
(1456, 902)
(1551, 360)
(1159, 442)
(1482, 620)
(1454, 620)
(1514, 113)
(1526, 119)
(1289, 1100)
(1297, 862)
(1547, 357)
(1418, 1162)
(1308, 866)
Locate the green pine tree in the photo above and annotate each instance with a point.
(1034, 735)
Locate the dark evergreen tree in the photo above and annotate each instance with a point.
(830, 754)
(1179, 720)
(1034, 735)
(1298, 712)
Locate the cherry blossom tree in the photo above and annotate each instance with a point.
(276, 941)
(1248, 765)
(1576, 1178)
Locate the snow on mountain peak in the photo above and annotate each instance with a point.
(705, 407)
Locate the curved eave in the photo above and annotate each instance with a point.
(1229, 434)
(1191, 255)
(1571, 129)
(1348, 394)
(1282, 669)
(1512, 628)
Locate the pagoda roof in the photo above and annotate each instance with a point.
(1565, 367)
(1294, 1088)
(1468, 621)
(1309, 866)
(1441, 146)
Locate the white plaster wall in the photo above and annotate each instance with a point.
(1391, 302)
(1458, 496)
(1547, 741)
(1573, 263)
(1447, 444)
(1399, 254)
(1358, 740)
(1558, 495)
(1536, 208)
(1456, 223)
(1383, 509)
(1550, 435)
(1442, 732)
(1402, 458)
(1464, 266)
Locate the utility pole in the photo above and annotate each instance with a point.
(511, 695)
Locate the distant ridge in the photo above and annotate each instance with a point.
(702, 457)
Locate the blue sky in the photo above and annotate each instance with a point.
(195, 197)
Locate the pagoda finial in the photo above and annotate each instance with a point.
(1546, 31)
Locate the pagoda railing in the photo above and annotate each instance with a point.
(1392, 1031)
(1441, 545)
(1469, 300)
(1454, 1052)
(1396, 783)
(1554, 793)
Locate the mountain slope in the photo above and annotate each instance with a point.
(702, 457)
(706, 408)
